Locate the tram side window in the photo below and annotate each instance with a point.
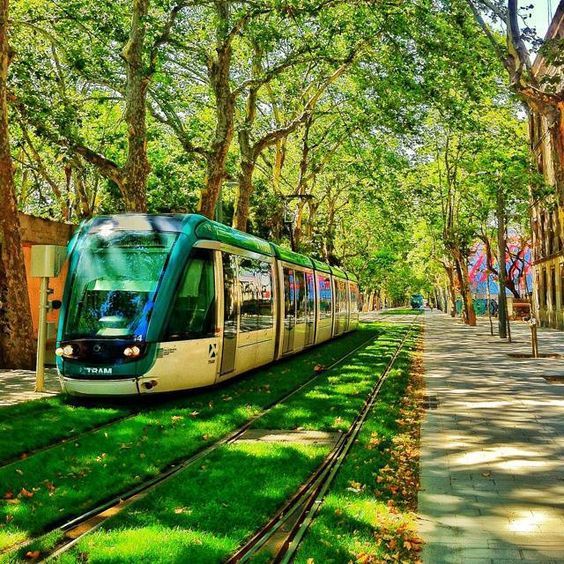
(325, 297)
(310, 295)
(249, 295)
(193, 312)
(300, 297)
(354, 298)
(265, 298)
(289, 296)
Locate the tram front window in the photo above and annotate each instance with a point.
(115, 282)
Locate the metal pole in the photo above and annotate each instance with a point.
(42, 335)
(489, 300)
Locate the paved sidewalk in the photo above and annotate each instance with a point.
(492, 452)
(17, 386)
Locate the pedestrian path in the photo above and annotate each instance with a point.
(492, 446)
(17, 386)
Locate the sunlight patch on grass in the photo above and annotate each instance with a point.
(206, 512)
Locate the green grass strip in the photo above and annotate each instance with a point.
(50, 487)
(333, 402)
(356, 507)
(32, 425)
(206, 512)
(402, 311)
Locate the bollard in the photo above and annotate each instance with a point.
(42, 334)
(534, 337)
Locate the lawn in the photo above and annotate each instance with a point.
(50, 487)
(402, 311)
(207, 511)
(367, 515)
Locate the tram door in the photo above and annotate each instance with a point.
(310, 307)
(230, 313)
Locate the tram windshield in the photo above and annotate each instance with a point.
(115, 282)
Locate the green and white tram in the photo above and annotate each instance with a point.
(157, 303)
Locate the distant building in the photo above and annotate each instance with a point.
(547, 143)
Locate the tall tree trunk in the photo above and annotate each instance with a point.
(244, 192)
(451, 290)
(137, 168)
(301, 188)
(502, 298)
(219, 70)
(461, 267)
(17, 344)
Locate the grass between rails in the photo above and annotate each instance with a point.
(205, 513)
(50, 487)
(35, 424)
(367, 515)
(402, 311)
(336, 398)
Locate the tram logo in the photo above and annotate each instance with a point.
(212, 352)
(99, 371)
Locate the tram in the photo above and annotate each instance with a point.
(157, 303)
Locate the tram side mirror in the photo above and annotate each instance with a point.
(56, 304)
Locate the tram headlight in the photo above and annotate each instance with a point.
(66, 351)
(132, 352)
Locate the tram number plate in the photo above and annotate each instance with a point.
(165, 351)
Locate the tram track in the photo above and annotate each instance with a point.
(75, 529)
(280, 537)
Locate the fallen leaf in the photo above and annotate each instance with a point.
(33, 554)
(9, 495)
(20, 472)
(26, 493)
(49, 485)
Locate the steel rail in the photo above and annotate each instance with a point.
(282, 535)
(86, 523)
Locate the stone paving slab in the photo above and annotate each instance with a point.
(16, 386)
(492, 452)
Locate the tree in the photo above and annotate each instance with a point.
(62, 53)
(17, 344)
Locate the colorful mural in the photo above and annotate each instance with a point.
(518, 266)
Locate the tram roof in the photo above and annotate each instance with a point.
(338, 272)
(205, 228)
(321, 266)
(209, 229)
(291, 256)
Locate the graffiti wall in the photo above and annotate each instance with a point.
(518, 268)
